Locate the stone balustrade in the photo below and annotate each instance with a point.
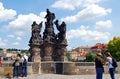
(67, 68)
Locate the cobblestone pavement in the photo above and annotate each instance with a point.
(54, 76)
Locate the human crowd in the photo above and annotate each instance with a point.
(20, 65)
(102, 60)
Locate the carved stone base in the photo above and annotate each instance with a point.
(69, 68)
(36, 58)
(36, 67)
(48, 50)
(64, 58)
(35, 51)
(47, 58)
(60, 52)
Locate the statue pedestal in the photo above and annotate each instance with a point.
(36, 67)
(63, 58)
(35, 51)
(61, 51)
(48, 50)
(47, 58)
(36, 58)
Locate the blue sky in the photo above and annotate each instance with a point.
(88, 21)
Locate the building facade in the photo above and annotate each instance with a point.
(79, 54)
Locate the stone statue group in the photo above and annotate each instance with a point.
(48, 43)
(48, 35)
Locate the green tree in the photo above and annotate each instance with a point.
(24, 51)
(114, 47)
(90, 57)
(68, 55)
(1, 49)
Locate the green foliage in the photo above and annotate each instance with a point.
(114, 47)
(1, 49)
(118, 55)
(90, 57)
(18, 50)
(24, 51)
(68, 55)
(12, 49)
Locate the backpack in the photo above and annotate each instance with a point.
(24, 62)
(114, 63)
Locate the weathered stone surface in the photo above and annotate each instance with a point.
(61, 36)
(60, 52)
(35, 42)
(48, 50)
(36, 68)
(84, 64)
(36, 37)
(35, 51)
(50, 46)
(48, 68)
(69, 68)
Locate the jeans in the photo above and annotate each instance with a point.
(16, 71)
(24, 71)
(112, 73)
(99, 73)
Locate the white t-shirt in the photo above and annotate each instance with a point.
(110, 62)
(25, 57)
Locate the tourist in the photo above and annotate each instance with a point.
(99, 66)
(16, 64)
(25, 64)
(110, 66)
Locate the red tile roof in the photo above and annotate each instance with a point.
(99, 45)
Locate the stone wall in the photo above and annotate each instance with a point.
(48, 68)
(80, 68)
(67, 68)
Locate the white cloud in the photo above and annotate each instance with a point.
(42, 15)
(96, 36)
(67, 4)
(1, 6)
(11, 36)
(18, 38)
(88, 35)
(22, 24)
(73, 4)
(16, 43)
(20, 33)
(103, 24)
(89, 2)
(6, 14)
(92, 1)
(89, 12)
(3, 42)
(23, 21)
